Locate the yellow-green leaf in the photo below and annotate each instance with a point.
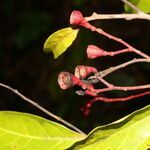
(129, 133)
(143, 5)
(59, 41)
(21, 131)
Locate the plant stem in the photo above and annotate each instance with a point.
(87, 107)
(100, 31)
(89, 26)
(102, 80)
(112, 69)
(105, 99)
(41, 108)
(123, 88)
(96, 16)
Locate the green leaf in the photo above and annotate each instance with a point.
(58, 42)
(129, 133)
(20, 131)
(143, 5)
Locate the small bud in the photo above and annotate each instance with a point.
(94, 52)
(76, 17)
(82, 72)
(64, 80)
(67, 80)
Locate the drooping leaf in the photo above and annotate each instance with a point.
(129, 133)
(58, 42)
(143, 5)
(20, 131)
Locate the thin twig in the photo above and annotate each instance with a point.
(87, 107)
(96, 16)
(94, 79)
(41, 108)
(100, 31)
(112, 69)
(105, 99)
(122, 88)
(98, 78)
(132, 6)
(89, 26)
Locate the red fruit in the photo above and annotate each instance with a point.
(94, 52)
(76, 17)
(83, 71)
(67, 80)
(64, 80)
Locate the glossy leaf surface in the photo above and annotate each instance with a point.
(129, 133)
(22, 131)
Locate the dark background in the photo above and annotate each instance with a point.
(26, 24)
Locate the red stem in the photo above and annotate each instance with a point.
(119, 52)
(87, 25)
(104, 99)
(100, 31)
(86, 109)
